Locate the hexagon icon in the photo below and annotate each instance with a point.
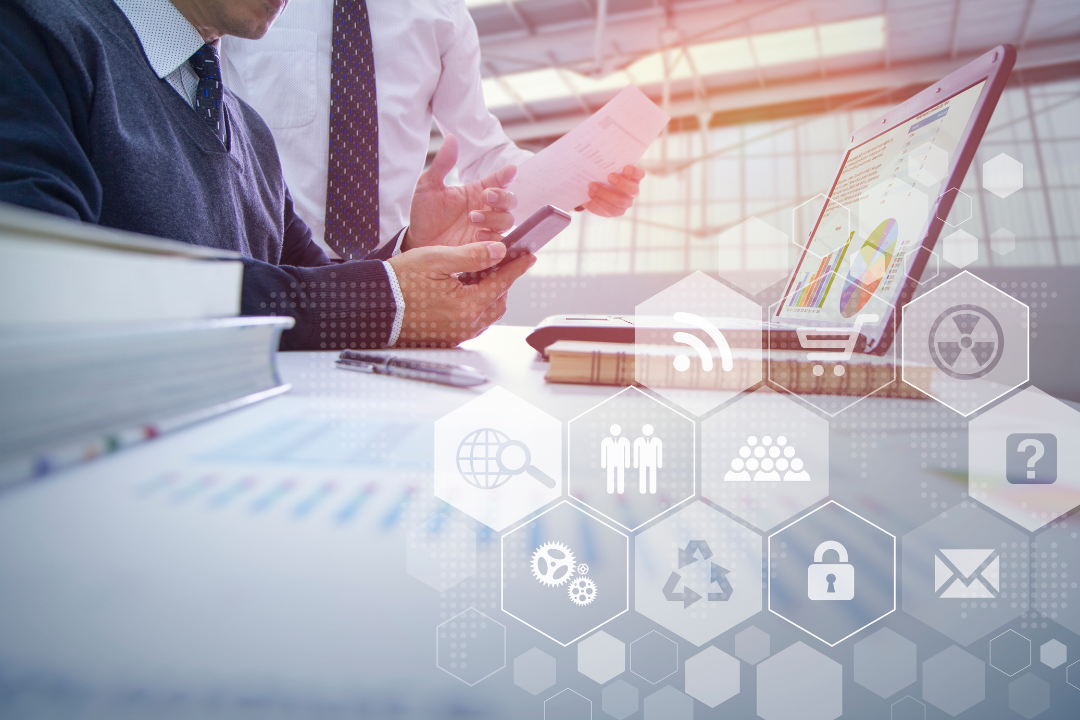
(753, 255)
(1054, 586)
(654, 657)
(1072, 677)
(965, 343)
(885, 663)
(959, 210)
(698, 343)
(799, 683)
(1053, 654)
(960, 248)
(832, 573)
(667, 703)
(565, 573)
(831, 219)
(751, 645)
(1002, 175)
(1010, 652)
(1019, 455)
(965, 573)
(765, 458)
(601, 657)
(470, 646)
(712, 676)
(534, 671)
(568, 705)
(954, 681)
(498, 458)
(631, 458)
(441, 552)
(1002, 241)
(620, 699)
(907, 708)
(1029, 695)
(697, 573)
(928, 164)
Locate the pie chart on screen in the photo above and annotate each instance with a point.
(868, 267)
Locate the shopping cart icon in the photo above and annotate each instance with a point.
(839, 341)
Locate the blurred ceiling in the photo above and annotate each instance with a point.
(549, 63)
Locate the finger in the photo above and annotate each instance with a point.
(498, 282)
(633, 172)
(444, 160)
(500, 178)
(610, 196)
(493, 313)
(624, 184)
(500, 199)
(492, 220)
(602, 209)
(472, 257)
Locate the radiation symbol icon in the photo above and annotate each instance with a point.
(966, 342)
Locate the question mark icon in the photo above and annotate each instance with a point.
(1035, 457)
(1031, 458)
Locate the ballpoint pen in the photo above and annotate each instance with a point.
(443, 373)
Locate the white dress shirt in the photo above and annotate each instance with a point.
(427, 65)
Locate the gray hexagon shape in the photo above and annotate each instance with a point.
(960, 209)
(1002, 241)
(534, 671)
(930, 548)
(1030, 488)
(612, 431)
(1029, 695)
(441, 552)
(667, 703)
(601, 657)
(885, 663)
(1053, 653)
(682, 566)
(712, 676)
(679, 342)
(954, 681)
(567, 705)
(907, 708)
(960, 248)
(751, 645)
(1072, 677)
(1003, 175)
(758, 250)
(470, 646)
(1010, 652)
(654, 657)
(819, 211)
(945, 328)
(620, 699)
(928, 164)
(765, 425)
(799, 683)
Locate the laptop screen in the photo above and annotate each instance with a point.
(859, 253)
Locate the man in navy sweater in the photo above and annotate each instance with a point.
(113, 112)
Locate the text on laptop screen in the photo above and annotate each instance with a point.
(860, 252)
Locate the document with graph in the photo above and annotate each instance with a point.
(617, 135)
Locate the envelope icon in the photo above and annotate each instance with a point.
(967, 573)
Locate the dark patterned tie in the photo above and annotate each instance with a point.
(208, 95)
(352, 183)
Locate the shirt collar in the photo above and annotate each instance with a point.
(167, 38)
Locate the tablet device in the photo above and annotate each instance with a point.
(537, 230)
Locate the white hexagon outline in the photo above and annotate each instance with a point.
(800, 519)
(971, 207)
(655, 632)
(937, 267)
(1027, 344)
(502, 569)
(804, 396)
(991, 652)
(474, 609)
(693, 460)
(1067, 668)
(892, 708)
(828, 199)
(568, 690)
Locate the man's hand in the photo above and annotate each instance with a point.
(615, 198)
(452, 216)
(439, 310)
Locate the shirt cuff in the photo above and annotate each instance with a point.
(398, 240)
(399, 299)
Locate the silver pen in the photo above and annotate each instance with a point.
(443, 373)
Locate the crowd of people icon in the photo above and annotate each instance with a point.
(647, 457)
(766, 459)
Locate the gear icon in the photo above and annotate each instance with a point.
(582, 591)
(553, 564)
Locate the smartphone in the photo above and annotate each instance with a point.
(530, 236)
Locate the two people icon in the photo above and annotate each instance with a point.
(615, 457)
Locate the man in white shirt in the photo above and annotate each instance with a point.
(427, 65)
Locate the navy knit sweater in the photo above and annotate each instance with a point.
(88, 131)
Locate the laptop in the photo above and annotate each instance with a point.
(873, 239)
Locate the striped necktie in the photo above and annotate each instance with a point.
(352, 183)
(208, 95)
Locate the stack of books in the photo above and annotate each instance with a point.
(110, 338)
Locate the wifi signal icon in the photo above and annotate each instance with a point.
(682, 362)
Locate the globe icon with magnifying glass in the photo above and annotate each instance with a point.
(488, 459)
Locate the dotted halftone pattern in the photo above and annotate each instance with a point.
(471, 646)
(1052, 585)
(1013, 580)
(441, 552)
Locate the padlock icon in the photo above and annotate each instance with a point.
(830, 581)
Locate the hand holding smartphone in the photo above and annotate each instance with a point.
(539, 229)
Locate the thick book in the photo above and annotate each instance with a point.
(56, 270)
(70, 393)
(595, 363)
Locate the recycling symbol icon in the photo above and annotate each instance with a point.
(711, 578)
